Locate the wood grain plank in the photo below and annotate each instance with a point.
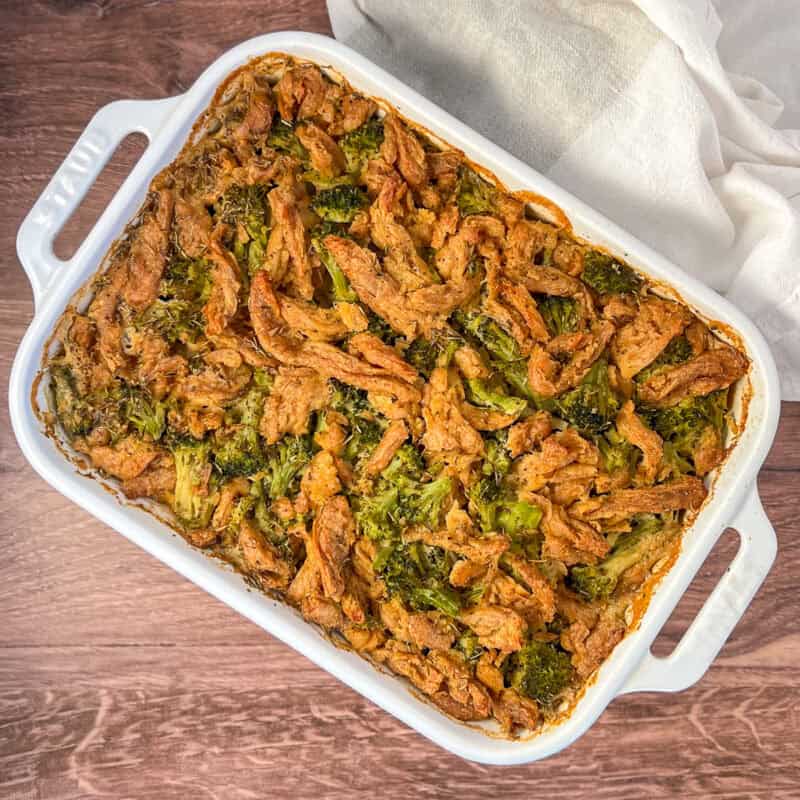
(147, 718)
(120, 679)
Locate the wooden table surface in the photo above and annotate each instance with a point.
(120, 679)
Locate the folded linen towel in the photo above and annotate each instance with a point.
(628, 105)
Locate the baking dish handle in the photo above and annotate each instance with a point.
(73, 179)
(721, 612)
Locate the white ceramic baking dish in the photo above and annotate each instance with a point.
(632, 667)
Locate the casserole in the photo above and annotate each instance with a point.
(88, 157)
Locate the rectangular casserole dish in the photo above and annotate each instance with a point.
(733, 502)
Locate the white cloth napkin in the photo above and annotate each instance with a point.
(652, 111)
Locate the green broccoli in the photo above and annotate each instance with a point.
(418, 574)
(406, 466)
(500, 344)
(366, 427)
(482, 394)
(497, 509)
(673, 464)
(678, 351)
(423, 355)
(348, 400)
(483, 496)
(507, 359)
(246, 209)
(267, 521)
(540, 670)
(683, 425)
(73, 413)
(474, 195)
(592, 405)
(427, 354)
(342, 291)
(469, 646)
(324, 183)
(517, 517)
(402, 498)
(362, 144)
(419, 501)
(375, 515)
(173, 319)
(283, 139)
(379, 327)
(606, 275)
(365, 434)
(186, 279)
(195, 497)
(238, 450)
(425, 503)
(148, 416)
(618, 453)
(339, 204)
(560, 314)
(598, 581)
(497, 459)
(284, 461)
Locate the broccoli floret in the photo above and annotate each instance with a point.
(342, 291)
(618, 453)
(427, 354)
(195, 498)
(606, 275)
(365, 434)
(517, 518)
(498, 510)
(500, 344)
(422, 355)
(283, 139)
(173, 319)
(503, 348)
(469, 645)
(677, 351)
(379, 327)
(322, 182)
(72, 412)
(483, 498)
(403, 498)
(592, 405)
(339, 204)
(560, 314)
(284, 461)
(348, 400)
(238, 450)
(186, 279)
(148, 416)
(425, 503)
(245, 205)
(474, 195)
(480, 393)
(497, 461)
(683, 425)
(673, 464)
(375, 515)
(407, 465)
(418, 574)
(362, 144)
(366, 427)
(540, 671)
(598, 581)
(246, 209)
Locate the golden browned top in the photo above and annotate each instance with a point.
(371, 379)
